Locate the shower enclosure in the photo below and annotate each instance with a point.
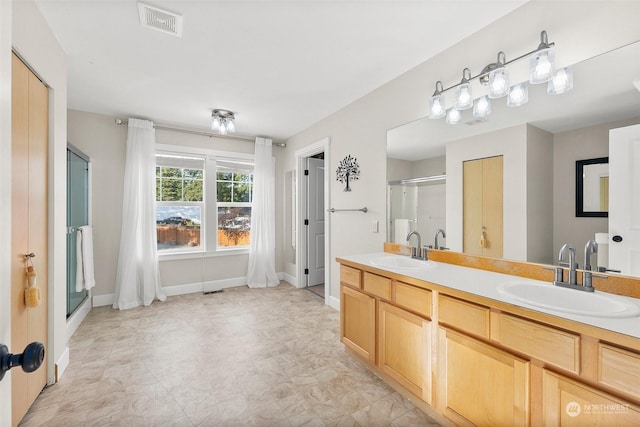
(416, 204)
(77, 215)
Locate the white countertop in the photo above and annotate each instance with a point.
(487, 284)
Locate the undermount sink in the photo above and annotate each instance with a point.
(402, 262)
(565, 300)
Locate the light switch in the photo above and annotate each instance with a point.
(374, 226)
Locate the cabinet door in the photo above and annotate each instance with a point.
(483, 206)
(358, 323)
(480, 384)
(403, 349)
(567, 402)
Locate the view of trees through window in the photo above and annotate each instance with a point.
(234, 184)
(180, 202)
(179, 196)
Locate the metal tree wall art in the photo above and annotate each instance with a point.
(348, 169)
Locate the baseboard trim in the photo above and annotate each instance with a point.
(61, 365)
(292, 280)
(334, 303)
(187, 288)
(78, 317)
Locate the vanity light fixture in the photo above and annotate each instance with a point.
(436, 103)
(481, 107)
(453, 116)
(518, 95)
(542, 62)
(561, 82)
(223, 121)
(496, 77)
(464, 99)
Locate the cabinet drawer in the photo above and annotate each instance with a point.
(413, 298)
(377, 285)
(619, 368)
(350, 276)
(469, 317)
(541, 342)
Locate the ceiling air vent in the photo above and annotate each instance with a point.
(160, 20)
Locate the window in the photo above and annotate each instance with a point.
(203, 203)
(179, 202)
(234, 187)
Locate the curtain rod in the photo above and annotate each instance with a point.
(120, 122)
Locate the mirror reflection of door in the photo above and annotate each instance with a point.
(624, 198)
(315, 216)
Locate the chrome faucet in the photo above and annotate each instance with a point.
(571, 263)
(572, 281)
(435, 239)
(589, 249)
(417, 252)
(587, 276)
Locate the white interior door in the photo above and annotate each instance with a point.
(315, 215)
(624, 200)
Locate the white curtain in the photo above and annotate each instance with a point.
(137, 277)
(262, 259)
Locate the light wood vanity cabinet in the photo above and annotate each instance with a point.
(404, 347)
(567, 402)
(479, 383)
(358, 323)
(479, 363)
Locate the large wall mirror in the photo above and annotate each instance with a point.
(592, 187)
(569, 119)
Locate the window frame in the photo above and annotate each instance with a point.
(209, 215)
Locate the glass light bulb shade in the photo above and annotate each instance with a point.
(436, 107)
(215, 123)
(464, 99)
(231, 126)
(223, 127)
(453, 116)
(481, 107)
(518, 95)
(498, 83)
(541, 66)
(561, 82)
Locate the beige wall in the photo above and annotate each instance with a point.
(99, 137)
(580, 144)
(360, 128)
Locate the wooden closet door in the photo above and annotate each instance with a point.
(483, 206)
(29, 210)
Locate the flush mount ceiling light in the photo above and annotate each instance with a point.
(496, 76)
(223, 121)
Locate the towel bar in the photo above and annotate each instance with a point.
(348, 210)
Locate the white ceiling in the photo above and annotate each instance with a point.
(280, 65)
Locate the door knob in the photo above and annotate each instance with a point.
(617, 238)
(30, 359)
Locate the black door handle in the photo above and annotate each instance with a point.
(617, 238)
(30, 359)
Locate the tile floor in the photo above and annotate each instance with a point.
(317, 289)
(261, 357)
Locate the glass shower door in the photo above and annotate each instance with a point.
(77, 215)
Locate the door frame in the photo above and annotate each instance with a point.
(301, 202)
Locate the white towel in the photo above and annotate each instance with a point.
(84, 257)
(401, 229)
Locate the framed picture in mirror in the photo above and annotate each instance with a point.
(592, 187)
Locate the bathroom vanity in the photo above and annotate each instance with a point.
(482, 347)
